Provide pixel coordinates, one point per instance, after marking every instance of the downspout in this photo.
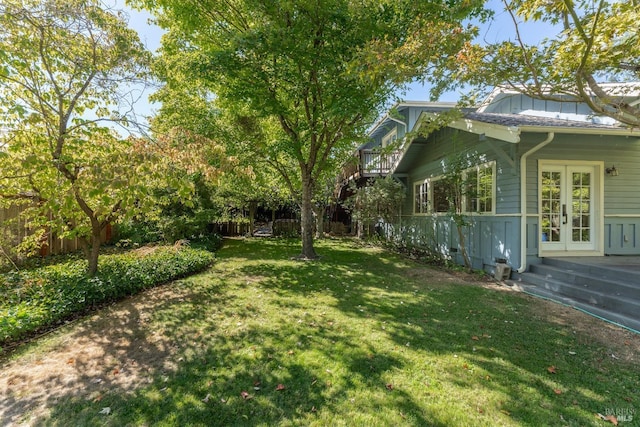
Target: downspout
(400, 122)
(523, 201)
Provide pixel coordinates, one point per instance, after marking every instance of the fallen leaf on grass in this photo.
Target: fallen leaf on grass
(245, 395)
(557, 391)
(389, 386)
(280, 387)
(475, 338)
(206, 399)
(611, 418)
(105, 411)
(552, 370)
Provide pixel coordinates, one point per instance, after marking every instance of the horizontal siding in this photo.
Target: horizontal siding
(428, 159)
(621, 195)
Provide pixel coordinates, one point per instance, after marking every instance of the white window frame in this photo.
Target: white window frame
(390, 137)
(423, 192)
(467, 202)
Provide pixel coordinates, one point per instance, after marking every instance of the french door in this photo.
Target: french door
(569, 207)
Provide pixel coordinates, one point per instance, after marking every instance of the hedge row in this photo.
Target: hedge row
(37, 299)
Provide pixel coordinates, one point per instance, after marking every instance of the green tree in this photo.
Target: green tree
(321, 69)
(63, 65)
(597, 42)
(379, 201)
(456, 183)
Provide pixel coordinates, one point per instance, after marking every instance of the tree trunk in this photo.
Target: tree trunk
(307, 221)
(463, 248)
(93, 251)
(318, 212)
(252, 216)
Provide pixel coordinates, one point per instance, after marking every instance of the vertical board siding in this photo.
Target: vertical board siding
(487, 237)
(621, 236)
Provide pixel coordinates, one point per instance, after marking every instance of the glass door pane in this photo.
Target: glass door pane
(581, 207)
(551, 206)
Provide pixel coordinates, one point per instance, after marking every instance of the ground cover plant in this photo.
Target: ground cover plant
(359, 337)
(36, 299)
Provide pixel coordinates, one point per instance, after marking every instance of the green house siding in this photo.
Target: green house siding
(499, 139)
(621, 193)
(489, 236)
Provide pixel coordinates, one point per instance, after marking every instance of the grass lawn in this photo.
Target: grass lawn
(361, 337)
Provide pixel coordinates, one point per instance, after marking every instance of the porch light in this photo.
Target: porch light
(612, 171)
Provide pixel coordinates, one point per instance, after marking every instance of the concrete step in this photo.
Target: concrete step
(629, 322)
(603, 299)
(588, 282)
(607, 272)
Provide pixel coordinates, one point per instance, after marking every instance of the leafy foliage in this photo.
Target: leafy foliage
(63, 68)
(32, 300)
(379, 200)
(596, 41)
(319, 70)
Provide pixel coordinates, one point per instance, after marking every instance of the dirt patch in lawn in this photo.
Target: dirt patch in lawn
(118, 350)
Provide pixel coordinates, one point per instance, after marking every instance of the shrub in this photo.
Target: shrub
(38, 299)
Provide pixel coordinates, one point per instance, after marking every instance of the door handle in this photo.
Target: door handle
(564, 214)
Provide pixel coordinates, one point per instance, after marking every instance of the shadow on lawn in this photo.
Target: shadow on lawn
(215, 346)
(545, 372)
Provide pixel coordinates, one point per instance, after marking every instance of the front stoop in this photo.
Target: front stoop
(603, 291)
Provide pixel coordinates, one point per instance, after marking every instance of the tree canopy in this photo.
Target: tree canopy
(598, 41)
(65, 71)
(321, 69)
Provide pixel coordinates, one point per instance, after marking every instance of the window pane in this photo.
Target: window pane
(440, 202)
(479, 193)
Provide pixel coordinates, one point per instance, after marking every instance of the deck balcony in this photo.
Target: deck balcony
(371, 163)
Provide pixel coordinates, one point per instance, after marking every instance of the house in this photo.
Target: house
(551, 180)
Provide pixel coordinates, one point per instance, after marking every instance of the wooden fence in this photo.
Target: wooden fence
(14, 227)
(281, 227)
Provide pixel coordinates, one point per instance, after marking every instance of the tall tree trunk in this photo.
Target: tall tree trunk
(252, 216)
(318, 212)
(307, 221)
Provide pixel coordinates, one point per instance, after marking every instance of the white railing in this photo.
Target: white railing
(374, 162)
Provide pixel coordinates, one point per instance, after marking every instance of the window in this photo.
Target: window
(389, 138)
(421, 197)
(430, 196)
(439, 196)
(480, 188)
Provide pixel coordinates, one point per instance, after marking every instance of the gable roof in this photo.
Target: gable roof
(389, 117)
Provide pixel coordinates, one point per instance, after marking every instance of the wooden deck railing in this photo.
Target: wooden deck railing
(373, 162)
